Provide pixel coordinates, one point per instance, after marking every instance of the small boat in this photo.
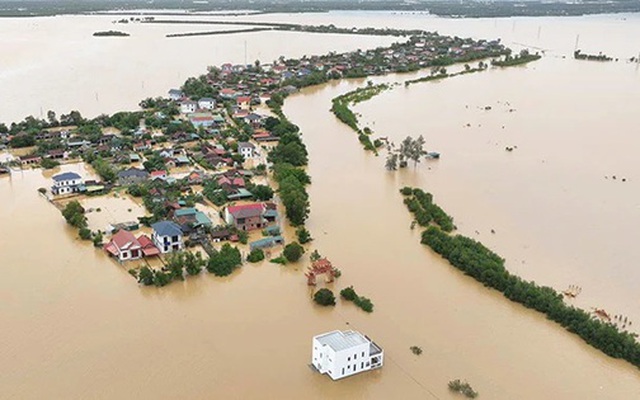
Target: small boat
(433, 155)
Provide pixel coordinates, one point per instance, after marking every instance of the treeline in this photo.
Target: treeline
(421, 205)
(438, 73)
(364, 303)
(477, 261)
(579, 55)
(340, 108)
(111, 33)
(213, 33)
(288, 158)
(220, 263)
(522, 58)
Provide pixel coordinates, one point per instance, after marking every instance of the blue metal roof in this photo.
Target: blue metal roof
(66, 176)
(167, 228)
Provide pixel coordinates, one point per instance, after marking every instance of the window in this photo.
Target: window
(363, 354)
(355, 356)
(362, 365)
(348, 358)
(342, 371)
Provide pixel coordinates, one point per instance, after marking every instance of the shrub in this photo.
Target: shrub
(225, 261)
(255, 256)
(303, 235)
(85, 233)
(279, 260)
(406, 191)
(416, 350)
(464, 388)
(348, 294)
(293, 251)
(324, 297)
(364, 303)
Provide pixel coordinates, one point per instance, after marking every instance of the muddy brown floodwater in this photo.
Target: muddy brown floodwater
(75, 325)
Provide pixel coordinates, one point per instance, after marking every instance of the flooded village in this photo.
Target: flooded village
(244, 206)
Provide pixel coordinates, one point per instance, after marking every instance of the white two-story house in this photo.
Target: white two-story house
(188, 107)
(246, 149)
(65, 183)
(344, 353)
(206, 103)
(167, 236)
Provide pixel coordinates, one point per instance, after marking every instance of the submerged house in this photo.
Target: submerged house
(246, 217)
(167, 236)
(124, 246)
(65, 183)
(344, 353)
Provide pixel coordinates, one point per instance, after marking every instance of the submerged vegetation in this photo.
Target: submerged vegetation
(485, 266)
(349, 294)
(463, 388)
(522, 58)
(579, 55)
(111, 33)
(324, 297)
(340, 108)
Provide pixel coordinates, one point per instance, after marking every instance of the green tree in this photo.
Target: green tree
(348, 293)
(225, 261)
(262, 192)
(85, 233)
(324, 297)
(255, 256)
(293, 251)
(145, 276)
(303, 235)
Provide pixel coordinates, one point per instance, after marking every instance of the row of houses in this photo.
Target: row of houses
(167, 237)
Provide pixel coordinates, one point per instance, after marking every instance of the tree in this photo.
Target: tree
(392, 162)
(315, 256)
(303, 235)
(324, 297)
(175, 265)
(85, 233)
(97, 239)
(193, 263)
(73, 213)
(348, 293)
(145, 276)
(225, 261)
(293, 251)
(255, 256)
(262, 192)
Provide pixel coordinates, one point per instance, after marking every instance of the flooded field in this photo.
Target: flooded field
(75, 324)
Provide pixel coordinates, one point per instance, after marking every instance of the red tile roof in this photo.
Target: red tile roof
(124, 240)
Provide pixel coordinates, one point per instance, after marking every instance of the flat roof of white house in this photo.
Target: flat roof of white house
(341, 340)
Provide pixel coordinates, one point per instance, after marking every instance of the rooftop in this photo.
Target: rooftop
(341, 340)
(66, 176)
(167, 228)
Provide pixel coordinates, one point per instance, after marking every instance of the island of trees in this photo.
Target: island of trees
(579, 55)
(522, 58)
(111, 33)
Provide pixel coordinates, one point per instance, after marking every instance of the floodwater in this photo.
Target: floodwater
(75, 325)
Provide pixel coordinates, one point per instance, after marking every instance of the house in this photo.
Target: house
(220, 235)
(244, 102)
(148, 248)
(167, 236)
(132, 176)
(245, 217)
(65, 183)
(189, 106)
(29, 160)
(124, 246)
(192, 217)
(196, 177)
(344, 353)
(204, 120)
(207, 103)
(175, 94)
(246, 149)
(228, 94)
(58, 154)
(158, 174)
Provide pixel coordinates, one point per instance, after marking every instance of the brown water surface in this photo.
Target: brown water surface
(75, 325)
